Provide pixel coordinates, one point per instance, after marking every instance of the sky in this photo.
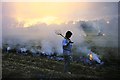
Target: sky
(32, 14)
(60, 0)
(57, 12)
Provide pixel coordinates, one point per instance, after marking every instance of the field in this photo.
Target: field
(33, 32)
(29, 67)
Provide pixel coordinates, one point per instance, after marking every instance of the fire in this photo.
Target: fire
(90, 56)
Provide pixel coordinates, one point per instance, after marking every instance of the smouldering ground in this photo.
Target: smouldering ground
(19, 66)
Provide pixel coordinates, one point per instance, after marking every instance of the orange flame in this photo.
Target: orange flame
(90, 56)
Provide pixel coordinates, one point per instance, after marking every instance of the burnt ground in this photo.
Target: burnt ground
(16, 66)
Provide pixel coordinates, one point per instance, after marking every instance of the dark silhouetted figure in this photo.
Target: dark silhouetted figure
(67, 46)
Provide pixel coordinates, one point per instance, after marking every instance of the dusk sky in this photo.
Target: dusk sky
(32, 14)
(58, 12)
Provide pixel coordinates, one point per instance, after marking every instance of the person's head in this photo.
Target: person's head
(68, 34)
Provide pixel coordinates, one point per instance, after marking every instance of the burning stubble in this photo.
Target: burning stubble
(44, 35)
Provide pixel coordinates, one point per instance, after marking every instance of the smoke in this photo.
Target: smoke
(0, 26)
(0, 37)
(44, 35)
(84, 51)
(108, 29)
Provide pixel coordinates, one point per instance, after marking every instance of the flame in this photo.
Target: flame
(90, 56)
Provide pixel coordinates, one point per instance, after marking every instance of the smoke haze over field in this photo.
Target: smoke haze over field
(42, 32)
(49, 41)
(38, 27)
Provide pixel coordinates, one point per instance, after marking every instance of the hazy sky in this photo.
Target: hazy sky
(60, 0)
(58, 12)
(55, 12)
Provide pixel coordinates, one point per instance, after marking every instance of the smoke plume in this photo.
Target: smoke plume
(41, 34)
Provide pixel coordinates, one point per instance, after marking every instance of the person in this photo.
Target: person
(67, 46)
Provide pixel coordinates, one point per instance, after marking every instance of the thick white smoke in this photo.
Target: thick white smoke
(44, 35)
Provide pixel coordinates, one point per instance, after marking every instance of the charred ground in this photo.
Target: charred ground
(29, 67)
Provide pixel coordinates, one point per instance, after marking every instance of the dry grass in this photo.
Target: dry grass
(19, 66)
